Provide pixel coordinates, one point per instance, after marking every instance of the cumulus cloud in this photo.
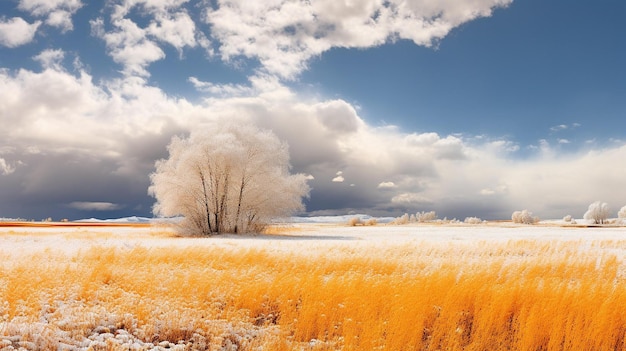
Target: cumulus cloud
(284, 35)
(128, 45)
(176, 29)
(135, 47)
(58, 13)
(16, 31)
(72, 132)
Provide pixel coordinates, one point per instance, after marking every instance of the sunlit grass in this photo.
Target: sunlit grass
(520, 295)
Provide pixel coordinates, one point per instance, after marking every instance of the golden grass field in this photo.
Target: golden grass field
(146, 289)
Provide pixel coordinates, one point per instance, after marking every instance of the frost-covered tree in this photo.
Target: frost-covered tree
(426, 216)
(598, 212)
(622, 212)
(230, 179)
(524, 217)
(404, 219)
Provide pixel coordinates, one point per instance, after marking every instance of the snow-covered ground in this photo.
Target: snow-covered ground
(294, 236)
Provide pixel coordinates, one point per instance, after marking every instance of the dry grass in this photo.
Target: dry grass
(520, 295)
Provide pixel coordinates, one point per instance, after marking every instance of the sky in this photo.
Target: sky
(465, 107)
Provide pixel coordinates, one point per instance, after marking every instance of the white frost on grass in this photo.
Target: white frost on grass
(22, 240)
(104, 329)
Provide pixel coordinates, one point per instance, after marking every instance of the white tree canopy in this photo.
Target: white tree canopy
(622, 212)
(231, 178)
(524, 217)
(598, 212)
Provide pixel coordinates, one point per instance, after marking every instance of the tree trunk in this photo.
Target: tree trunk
(206, 201)
(241, 188)
(224, 197)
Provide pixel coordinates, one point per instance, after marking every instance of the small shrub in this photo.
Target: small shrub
(404, 219)
(354, 221)
(567, 219)
(524, 217)
(472, 220)
(425, 216)
(371, 222)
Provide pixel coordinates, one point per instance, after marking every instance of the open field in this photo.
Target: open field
(314, 287)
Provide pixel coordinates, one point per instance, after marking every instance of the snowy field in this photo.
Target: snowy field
(298, 237)
(73, 267)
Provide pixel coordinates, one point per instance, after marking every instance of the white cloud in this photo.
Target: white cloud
(230, 90)
(61, 19)
(15, 32)
(338, 179)
(502, 146)
(44, 7)
(283, 35)
(386, 185)
(58, 13)
(50, 58)
(563, 141)
(136, 47)
(338, 116)
(176, 29)
(128, 45)
(95, 206)
(5, 167)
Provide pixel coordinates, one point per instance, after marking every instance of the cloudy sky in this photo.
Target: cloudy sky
(465, 107)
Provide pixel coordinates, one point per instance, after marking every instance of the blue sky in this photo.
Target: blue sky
(469, 108)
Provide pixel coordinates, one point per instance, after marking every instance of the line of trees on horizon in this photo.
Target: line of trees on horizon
(598, 212)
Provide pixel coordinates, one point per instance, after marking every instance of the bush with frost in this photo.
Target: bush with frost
(419, 217)
(354, 221)
(598, 212)
(622, 212)
(524, 217)
(404, 219)
(424, 216)
(371, 222)
(567, 219)
(472, 220)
